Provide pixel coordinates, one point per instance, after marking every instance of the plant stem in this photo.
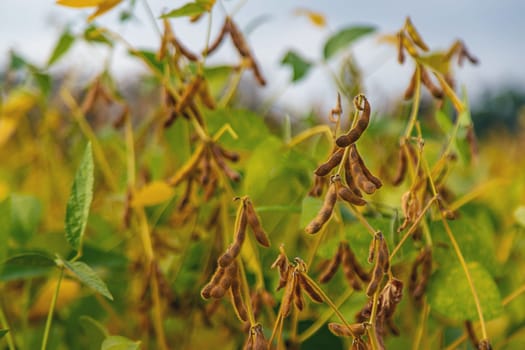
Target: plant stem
(513, 295)
(303, 136)
(421, 326)
(413, 227)
(319, 322)
(415, 104)
(467, 274)
(90, 135)
(327, 300)
(51, 310)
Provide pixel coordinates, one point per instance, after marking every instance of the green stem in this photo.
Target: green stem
(314, 327)
(51, 310)
(415, 104)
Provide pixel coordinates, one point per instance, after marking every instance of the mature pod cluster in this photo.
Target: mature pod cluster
(357, 177)
(409, 40)
(388, 300)
(226, 276)
(256, 340)
(419, 280)
(379, 251)
(353, 271)
(295, 281)
(205, 166)
(229, 27)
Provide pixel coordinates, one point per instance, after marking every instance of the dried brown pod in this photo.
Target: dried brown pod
(348, 267)
(377, 183)
(349, 179)
(309, 289)
(350, 259)
(472, 334)
(205, 95)
(256, 340)
(283, 266)
(325, 212)
(358, 174)
(288, 296)
(411, 208)
(414, 35)
(219, 159)
(231, 156)
(389, 298)
(355, 330)
(381, 266)
(331, 268)
(237, 302)
(337, 110)
(418, 282)
(183, 50)
(255, 225)
(234, 249)
(206, 291)
(297, 293)
(334, 160)
(220, 38)
(427, 81)
(411, 88)
(188, 94)
(400, 50)
(362, 123)
(318, 186)
(359, 344)
(401, 166)
(349, 196)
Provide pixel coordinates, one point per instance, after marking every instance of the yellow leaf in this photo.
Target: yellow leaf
(437, 60)
(153, 193)
(316, 18)
(69, 290)
(7, 128)
(104, 7)
(79, 3)
(17, 103)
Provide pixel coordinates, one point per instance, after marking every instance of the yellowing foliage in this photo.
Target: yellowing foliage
(153, 193)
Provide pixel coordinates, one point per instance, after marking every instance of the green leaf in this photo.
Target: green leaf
(443, 121)
(117, 342)
(26, 213)
(26, 265)
(64, 43)
(149, 58)
(17, 61)
(250, 128)
(98, 35)
(189, 10)
(3, 332)
(77, 210)
(300, 66)
(86, 275)
(450, 295)
(310, 207)
(344, 38)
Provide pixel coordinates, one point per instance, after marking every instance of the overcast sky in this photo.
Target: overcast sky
(493, 31)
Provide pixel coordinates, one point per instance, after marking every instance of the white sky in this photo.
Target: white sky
(492, 30)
